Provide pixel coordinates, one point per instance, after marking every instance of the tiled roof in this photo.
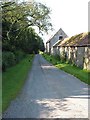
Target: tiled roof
(82, 39)
(57, 43)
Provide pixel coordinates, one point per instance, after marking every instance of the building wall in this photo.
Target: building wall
(47, 47)
(80, 56)
(56, 51)
(87, 58)
(54, 39)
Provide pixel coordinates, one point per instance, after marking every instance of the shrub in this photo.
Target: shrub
(57, 57)
(8, 60)
(63, 56)
(19, 55)
(3, 67)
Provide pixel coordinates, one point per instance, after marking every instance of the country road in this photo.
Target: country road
(49, 93)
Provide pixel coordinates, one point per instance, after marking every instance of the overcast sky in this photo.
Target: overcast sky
(70, 15)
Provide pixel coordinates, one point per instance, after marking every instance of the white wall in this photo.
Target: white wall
(56, 38)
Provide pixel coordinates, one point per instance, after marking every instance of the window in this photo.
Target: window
(60, 37)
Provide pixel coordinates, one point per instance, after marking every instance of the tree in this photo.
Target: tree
(17, 20)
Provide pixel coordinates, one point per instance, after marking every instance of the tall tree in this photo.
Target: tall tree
(17, 20)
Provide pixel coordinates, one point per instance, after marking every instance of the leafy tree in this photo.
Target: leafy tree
(17, 20)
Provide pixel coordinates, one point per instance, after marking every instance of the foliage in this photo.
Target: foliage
(13, 80)
(83, 75)
(63, 56)
(17, 22)
(19, 55)
(8, 59)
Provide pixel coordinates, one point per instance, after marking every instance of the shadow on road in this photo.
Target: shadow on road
(50, 93)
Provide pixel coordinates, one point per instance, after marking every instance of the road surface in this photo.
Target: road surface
(49, 93)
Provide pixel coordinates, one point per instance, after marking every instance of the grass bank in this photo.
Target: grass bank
(0, 93)
(83, 75)
(13, 80)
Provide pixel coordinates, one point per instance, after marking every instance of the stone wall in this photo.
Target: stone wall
(47, 47)
(80, 56)
(87, 58)
(56, 51)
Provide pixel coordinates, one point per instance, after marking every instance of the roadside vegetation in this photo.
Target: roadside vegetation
(83, 75)
(19, 39)
(14, 79)
(18, 34)
(0, 93)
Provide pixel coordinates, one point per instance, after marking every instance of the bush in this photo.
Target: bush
(3, 67)
(63, 57)
(8, 60)
(57, 57)
(19, 55)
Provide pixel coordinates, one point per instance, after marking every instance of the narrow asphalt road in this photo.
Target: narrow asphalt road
(49, 93)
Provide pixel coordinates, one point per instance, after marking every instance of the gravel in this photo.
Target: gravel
(49, 93)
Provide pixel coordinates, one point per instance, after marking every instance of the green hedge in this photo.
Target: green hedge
(19, 55)
(8, 59)
(11, 58)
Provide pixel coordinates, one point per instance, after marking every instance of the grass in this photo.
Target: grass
(13, 80)
(83, 75)
(0, 93)
(0, 81)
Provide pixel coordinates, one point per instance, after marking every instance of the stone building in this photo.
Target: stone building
(75, 50)
(60, 35)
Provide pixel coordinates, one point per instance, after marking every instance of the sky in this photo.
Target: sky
(70, 15)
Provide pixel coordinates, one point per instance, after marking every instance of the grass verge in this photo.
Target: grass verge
(0, 93)
(83, 75)
(13, 80)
